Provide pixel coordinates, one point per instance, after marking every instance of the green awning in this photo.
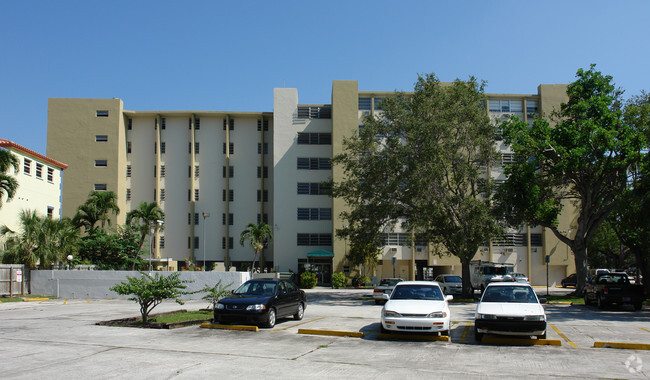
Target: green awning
(320, 253)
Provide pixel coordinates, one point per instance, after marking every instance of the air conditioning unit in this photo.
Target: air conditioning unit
(510, 249)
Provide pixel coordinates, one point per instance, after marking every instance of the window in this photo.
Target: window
(101, 113)
(196, 195)
(128, 194)
(314, 239)
(377, 104)
(230, 219)
(262, 196)
(314, 112)
(264, 218)
(231, 148)
(231, 122)
(39, 170)
(129, 124)
(162, 171)
(196, 218)
(231, 195)
(313, 188)
(155, 171)
(196, 242)
(313, 163)
(259, 125)
(163, 123)
(101, 138)
(128, 171)
(50, 211)
(197, 123)
(101, 163)
(314, 214)
(196, 171)
(365, 104)
(535, 240)
(507, 158)
(162, 195)
(259, 172)
(162, 242)
(314, 138)
(163, 148)
(259, 148)
(497, 105)
(27, 166)
(230, 243)
(128, 147)
(196, 148)
(50, 175)
(231, 171)
(100, 187)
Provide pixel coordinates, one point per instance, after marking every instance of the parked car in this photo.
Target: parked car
(519, 277)
(510, 308)
(571, 280)
(450, 283)
(416, 306)
(262, 301)
(609, 288)
(385, 286)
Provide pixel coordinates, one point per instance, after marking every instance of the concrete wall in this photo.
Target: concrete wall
(96, 284)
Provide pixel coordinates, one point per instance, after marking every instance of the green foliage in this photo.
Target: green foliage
(308, 280)
(584, 153)
(8, 184)
(359, 280)
(339, 280)
(419, 164)
(215, 293)
(149, 291)
(143, 217)
(183, 316)
(112, 251)
(43, 241)
(258, 236)
(98, 208)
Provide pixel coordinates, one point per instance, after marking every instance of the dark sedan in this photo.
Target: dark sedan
(262, 302)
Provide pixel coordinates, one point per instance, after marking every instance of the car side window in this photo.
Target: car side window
(283, 288)
(290, 287)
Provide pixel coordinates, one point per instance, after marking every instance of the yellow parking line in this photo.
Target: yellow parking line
(87, 300)
(644, 329)
(298, 324)
(629, 346)
(66, 301)
(563, 336)
(465, 331)
(229, 327)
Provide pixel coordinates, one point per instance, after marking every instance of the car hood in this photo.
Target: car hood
(247, 299)
(415, 306)
(510, 308)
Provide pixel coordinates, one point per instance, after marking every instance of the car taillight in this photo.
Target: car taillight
(378, 291)
(605, 290)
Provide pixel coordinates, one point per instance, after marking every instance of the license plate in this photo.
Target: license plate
(626, 299)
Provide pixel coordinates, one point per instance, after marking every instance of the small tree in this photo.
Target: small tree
(257, 235)
(149, 291)
(215, 293)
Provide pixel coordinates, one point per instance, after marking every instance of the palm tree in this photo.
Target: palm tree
(258, 236)
(8, 184)
(98, 208)
(87, 216)
(142, 217)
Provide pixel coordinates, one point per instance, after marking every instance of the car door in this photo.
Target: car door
(293, 298)
(283, 301)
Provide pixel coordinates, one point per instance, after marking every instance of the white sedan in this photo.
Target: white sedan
(416, 306)
(510, 308)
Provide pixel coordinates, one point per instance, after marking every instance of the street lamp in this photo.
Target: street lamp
(205, 215)
(158, 223)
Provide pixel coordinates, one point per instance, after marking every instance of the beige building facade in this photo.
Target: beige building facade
(241, 167)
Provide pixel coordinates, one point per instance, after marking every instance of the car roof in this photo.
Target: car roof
(508, 284)
(418, 283)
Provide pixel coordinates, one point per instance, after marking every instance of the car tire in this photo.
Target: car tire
(638, 306)
(300, 313)
(377, 302)
(587, 300)
(563, 284)
(443, 333)
(270, 319)
(599, 302)
(477, 335)
(382, 329)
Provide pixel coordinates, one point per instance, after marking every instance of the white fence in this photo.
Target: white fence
(96, 284)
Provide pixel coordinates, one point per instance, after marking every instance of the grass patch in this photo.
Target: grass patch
(182, 316)
(569, 298)
(21, 298)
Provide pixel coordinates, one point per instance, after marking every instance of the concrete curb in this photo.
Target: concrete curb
(34, 299)
(425, 338)
(620, 345)
(208, 325)
(521, 342)
(352, 334)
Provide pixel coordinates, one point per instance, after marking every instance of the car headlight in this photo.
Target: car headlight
(391, 314)
(257, 307)
(220, 306)
(534, 318)
(487, 316)
(437, 314)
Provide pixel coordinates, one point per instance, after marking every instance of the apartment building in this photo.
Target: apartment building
(39, 185)
(213, 172)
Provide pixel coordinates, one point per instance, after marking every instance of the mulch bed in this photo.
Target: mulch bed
(137, 322)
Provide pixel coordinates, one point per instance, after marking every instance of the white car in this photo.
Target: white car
(416, 306)
(510, 308)
(519, 277)
(450, 283)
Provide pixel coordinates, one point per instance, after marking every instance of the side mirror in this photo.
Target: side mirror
(542, 300)
(385, 296)
(449, 298)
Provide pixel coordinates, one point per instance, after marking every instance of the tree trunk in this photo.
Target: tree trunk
(467, 280)
(643, 267)
(253, 265)
(580, 253)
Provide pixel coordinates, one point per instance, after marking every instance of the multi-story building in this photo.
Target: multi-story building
(39, 186)
(241, 167)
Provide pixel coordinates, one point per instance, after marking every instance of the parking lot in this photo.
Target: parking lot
(59, 339)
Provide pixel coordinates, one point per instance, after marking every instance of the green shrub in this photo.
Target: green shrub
(359, 280)
(339, 280)
(308, 280)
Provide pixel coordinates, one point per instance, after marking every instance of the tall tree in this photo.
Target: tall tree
(143, 217)
(419, 164)
(106, 203)
(584, 159)
(8, 184)
(258, 235)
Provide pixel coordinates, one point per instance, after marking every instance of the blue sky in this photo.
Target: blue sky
(229, 55)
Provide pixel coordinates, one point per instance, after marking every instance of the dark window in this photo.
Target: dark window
(39, 170)
(231, 148)
(259, 148)
(102, 113)
(128, 171)
(313, 163)
(196, 195)
(314, 239)
(163, 123)
(365, 104)
(231, 195)
(230, 219)
(262, 196)
(50, 211)
(314, 112)
(196, 171)
(231, 171)
(265, 218)
(230, 243)
(100, 187)
(259, 125)
(128, 147)
(196, 242)
(129, 124)
(128, 194)
(101, 138)
(313, 188)
(314, 138)
(162, 147)
(535, 240)
(314, 214)
(27, 166)
(196, 218)
(266, 172)
(231, 122)
(99, 163)
(50, 174)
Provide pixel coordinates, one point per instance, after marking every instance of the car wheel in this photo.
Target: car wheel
(600, 302)
(377, 302)
(587, 300)
(382, 329)
(443, 333)
(300, 313)
(477, 335)
(563, 284)
(638, 306)
(270, 320)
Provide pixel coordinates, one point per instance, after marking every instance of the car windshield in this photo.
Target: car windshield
(515, 294)
(417, 292)
(453, 279)
(614, 278)
(257, 288)
(389, 282)
(497, 270)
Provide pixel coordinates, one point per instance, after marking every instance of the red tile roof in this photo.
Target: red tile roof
(12, 145)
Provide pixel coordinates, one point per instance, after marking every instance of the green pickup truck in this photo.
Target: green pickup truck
(613, 288)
